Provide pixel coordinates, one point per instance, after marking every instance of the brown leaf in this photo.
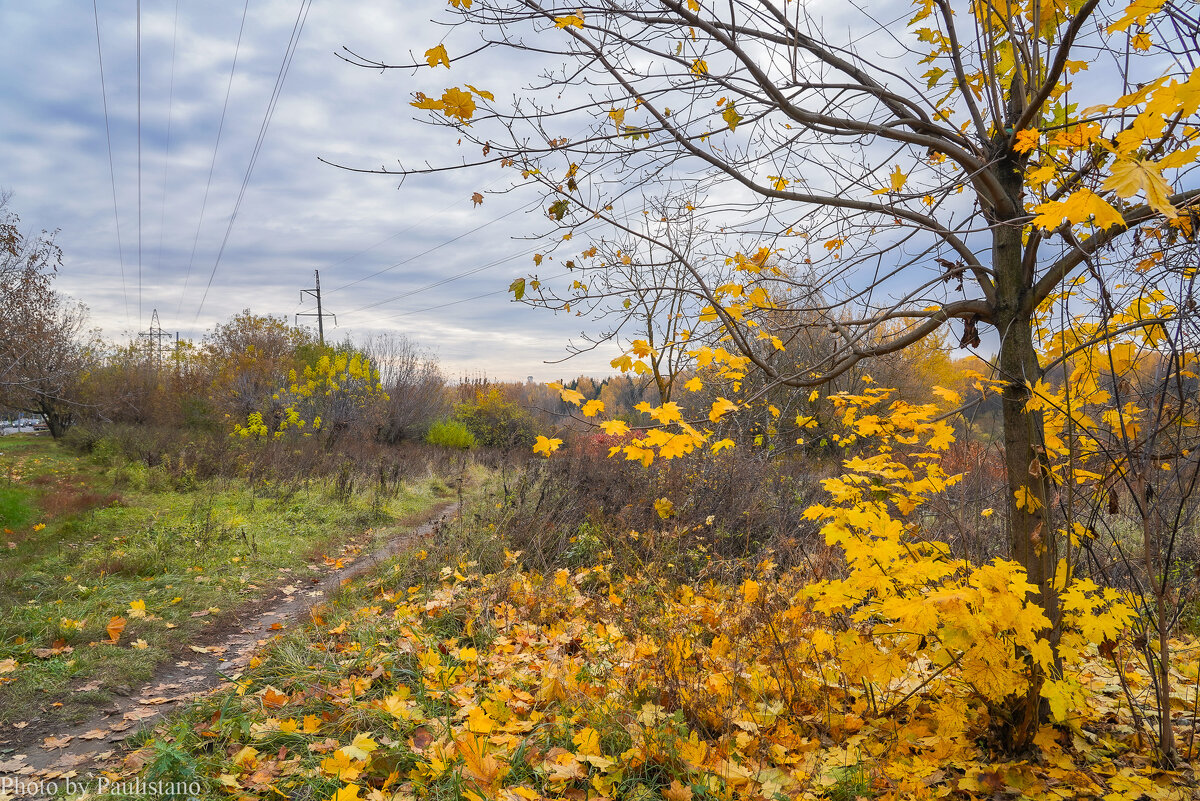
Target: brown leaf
(477, 198)
(94, 734)
(51, 743)
(678, 792)
(14, 764)
(421, 739)
(72, 760)
(139, 714)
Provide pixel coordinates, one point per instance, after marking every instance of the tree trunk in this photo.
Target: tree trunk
(1031, 540)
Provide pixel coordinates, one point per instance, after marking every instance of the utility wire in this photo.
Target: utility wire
(433, 249)
(385, 240)
(162, 216)
(220, 127)
(455, 302)
(455, 277)
(284, 67)
(139, 154)
(111, 172)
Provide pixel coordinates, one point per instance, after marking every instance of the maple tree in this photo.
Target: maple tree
(949, 162)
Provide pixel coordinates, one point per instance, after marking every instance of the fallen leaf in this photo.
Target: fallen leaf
(14, 764)
(51, 743)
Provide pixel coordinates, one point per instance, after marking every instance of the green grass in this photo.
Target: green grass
(16, 511)
(96, 539)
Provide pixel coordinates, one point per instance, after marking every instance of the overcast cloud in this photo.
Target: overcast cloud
(297, 214)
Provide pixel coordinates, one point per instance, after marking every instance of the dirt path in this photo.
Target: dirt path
(44, 750)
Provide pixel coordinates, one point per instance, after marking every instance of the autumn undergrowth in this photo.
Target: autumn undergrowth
(461, 671)
(120, 564)
(457, 672)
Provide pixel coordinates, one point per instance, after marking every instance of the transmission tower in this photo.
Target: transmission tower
(155, 337)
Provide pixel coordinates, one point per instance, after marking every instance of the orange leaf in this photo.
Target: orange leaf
(483, 767)
(114, 628)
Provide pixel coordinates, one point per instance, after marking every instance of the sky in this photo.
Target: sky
(419, 260)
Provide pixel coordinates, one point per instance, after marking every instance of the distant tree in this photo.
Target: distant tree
(249, 358)
(414, 386)
(45, 348)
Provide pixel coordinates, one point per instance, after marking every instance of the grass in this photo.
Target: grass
(91, 541)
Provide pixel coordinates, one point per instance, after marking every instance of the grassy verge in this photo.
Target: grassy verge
(94, 549)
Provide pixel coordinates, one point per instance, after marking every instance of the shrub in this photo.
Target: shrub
(496, 421)
(451, 434)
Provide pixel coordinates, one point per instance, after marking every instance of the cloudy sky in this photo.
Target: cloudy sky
(419, 260)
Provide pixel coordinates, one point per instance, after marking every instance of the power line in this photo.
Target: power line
(220, 127)
(454, 302)
(442, 281)
(139, 154)
(284, 68)
(433, 249)
(162, 216)
(111, 172)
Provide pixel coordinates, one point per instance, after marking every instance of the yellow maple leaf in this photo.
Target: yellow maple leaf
(942, 438)
(720, 408)
(615, 427)
(1027, 500)
(731, 117)
(587, 741)
(478, 764)
(778, 183)
(592, 408)
(137, 608)
(664, 508)
(457, 103)
(437, 55)
(485, 94)
(1082, 205)
(1127, 177)
(722, 444)
(667, 413)
(571, 396)
(1137, 12)
(546, 446)
(1026, 140)
(570, 21)
(700, 67)
(361, 747)
(948, 395)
